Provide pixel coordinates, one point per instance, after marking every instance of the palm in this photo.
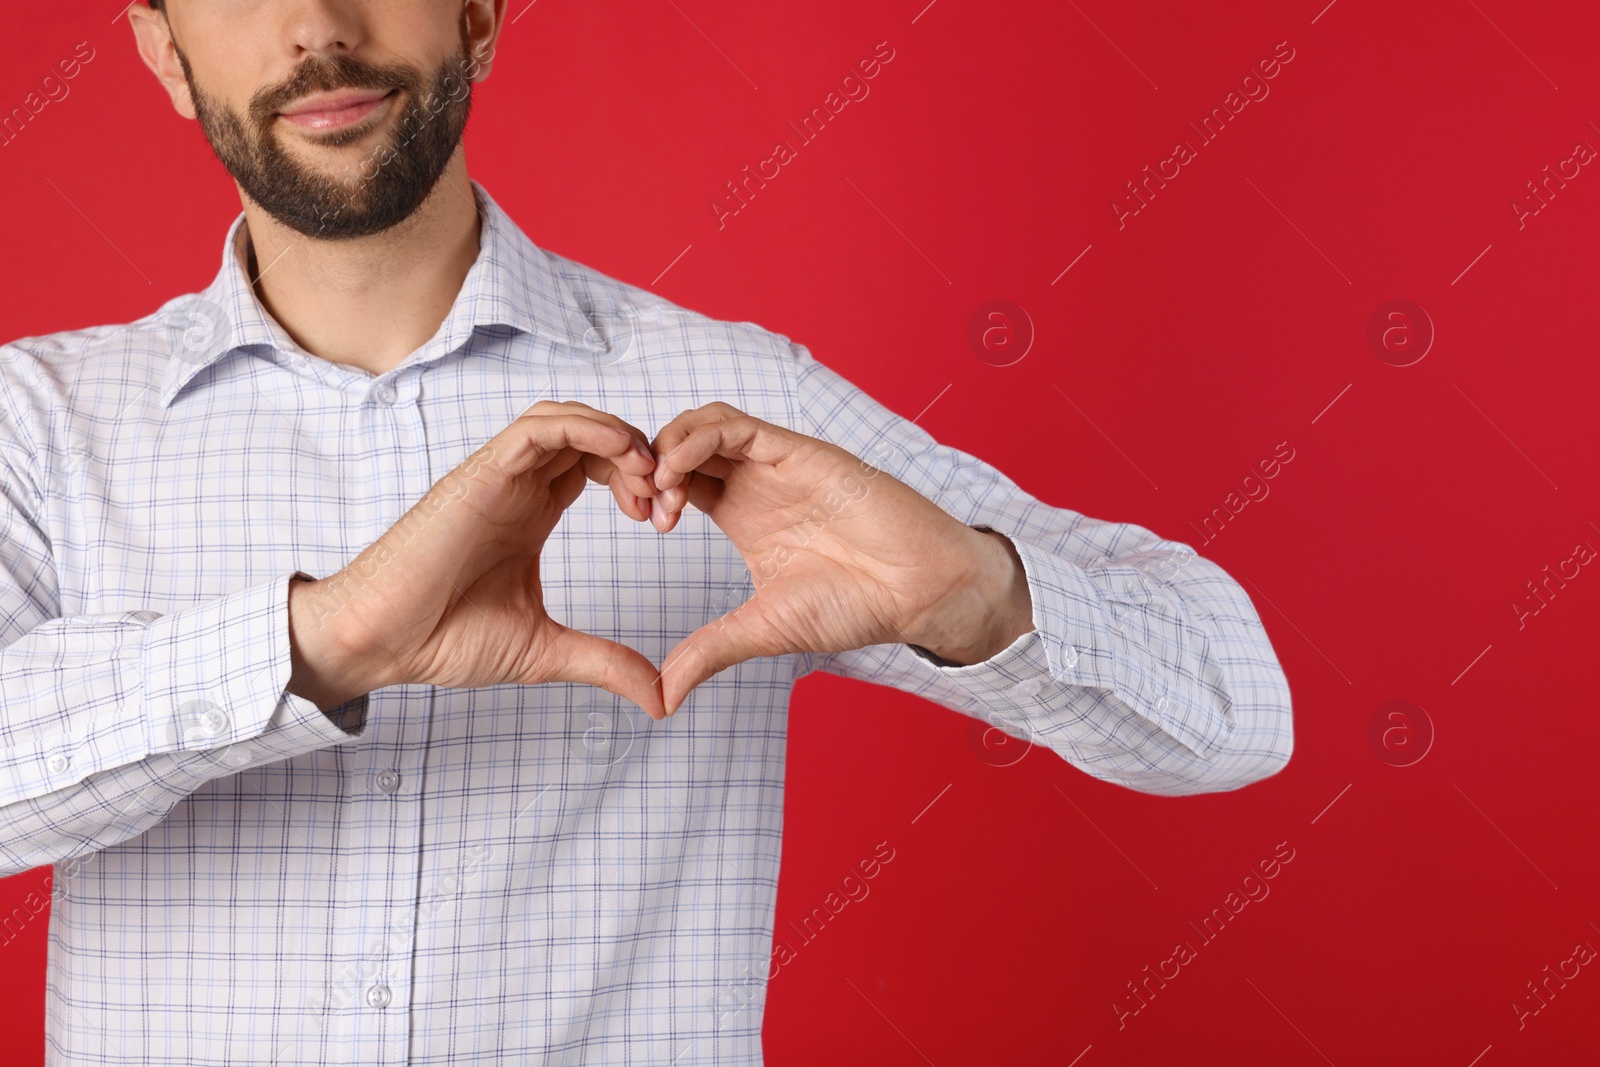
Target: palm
(825, 576)
(842, 554)
(497, 630)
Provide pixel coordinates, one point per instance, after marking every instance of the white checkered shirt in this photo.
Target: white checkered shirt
(515, 874)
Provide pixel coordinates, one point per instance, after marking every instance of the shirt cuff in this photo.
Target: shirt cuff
(1079, 639)
(1063, 643)
(216, 677)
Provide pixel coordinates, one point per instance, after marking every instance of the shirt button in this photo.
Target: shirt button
(378, 996)
(1069, 657)
(387, 781)
(58, 763)
(1029, 688)
(385, 393)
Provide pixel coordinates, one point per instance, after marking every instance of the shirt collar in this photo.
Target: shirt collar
(512, 283)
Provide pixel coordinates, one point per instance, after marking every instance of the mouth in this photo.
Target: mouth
(334, 111)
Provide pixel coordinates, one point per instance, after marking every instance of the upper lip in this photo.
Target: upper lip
(336, 101)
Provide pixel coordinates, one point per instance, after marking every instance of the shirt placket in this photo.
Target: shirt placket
(381, 833)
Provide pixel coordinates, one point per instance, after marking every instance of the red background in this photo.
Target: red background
(1221, 320)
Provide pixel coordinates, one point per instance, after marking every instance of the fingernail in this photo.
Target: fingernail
(658, 515)
(638, 446)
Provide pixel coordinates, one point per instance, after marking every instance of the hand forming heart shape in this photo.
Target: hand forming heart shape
(843, 556)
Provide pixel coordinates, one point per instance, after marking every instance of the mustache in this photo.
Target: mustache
(322, 74)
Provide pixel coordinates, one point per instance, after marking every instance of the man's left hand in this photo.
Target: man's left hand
(843, 555)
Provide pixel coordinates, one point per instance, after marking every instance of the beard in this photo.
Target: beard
(370, 195)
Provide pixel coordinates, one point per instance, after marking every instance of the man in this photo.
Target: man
(405, 812)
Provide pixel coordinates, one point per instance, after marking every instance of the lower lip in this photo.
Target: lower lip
(332, 120)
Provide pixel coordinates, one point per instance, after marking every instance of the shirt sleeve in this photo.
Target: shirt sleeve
(1147, 665)
(107, 721)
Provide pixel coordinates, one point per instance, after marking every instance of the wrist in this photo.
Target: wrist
(326, 668)
(985, 609)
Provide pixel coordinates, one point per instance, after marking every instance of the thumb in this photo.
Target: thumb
(590, 660)
(713, 648)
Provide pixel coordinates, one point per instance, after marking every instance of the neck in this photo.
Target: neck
(369, 302)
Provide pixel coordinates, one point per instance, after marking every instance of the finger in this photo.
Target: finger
(661, 518)
(688, 421)
(566, 487)
(553, 464)
(589, 660)
(640, 484)
(603, 471)
(712, 472)
(713, 648)
(568, 407)
(717, 467)
(673, 433)
(547, 409)
(634, 506)
(705, 492)
(519, 448)
(743, 437)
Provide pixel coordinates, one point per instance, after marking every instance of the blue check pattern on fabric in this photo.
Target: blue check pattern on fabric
(512, 874)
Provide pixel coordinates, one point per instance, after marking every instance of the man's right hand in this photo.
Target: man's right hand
(450, 595)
